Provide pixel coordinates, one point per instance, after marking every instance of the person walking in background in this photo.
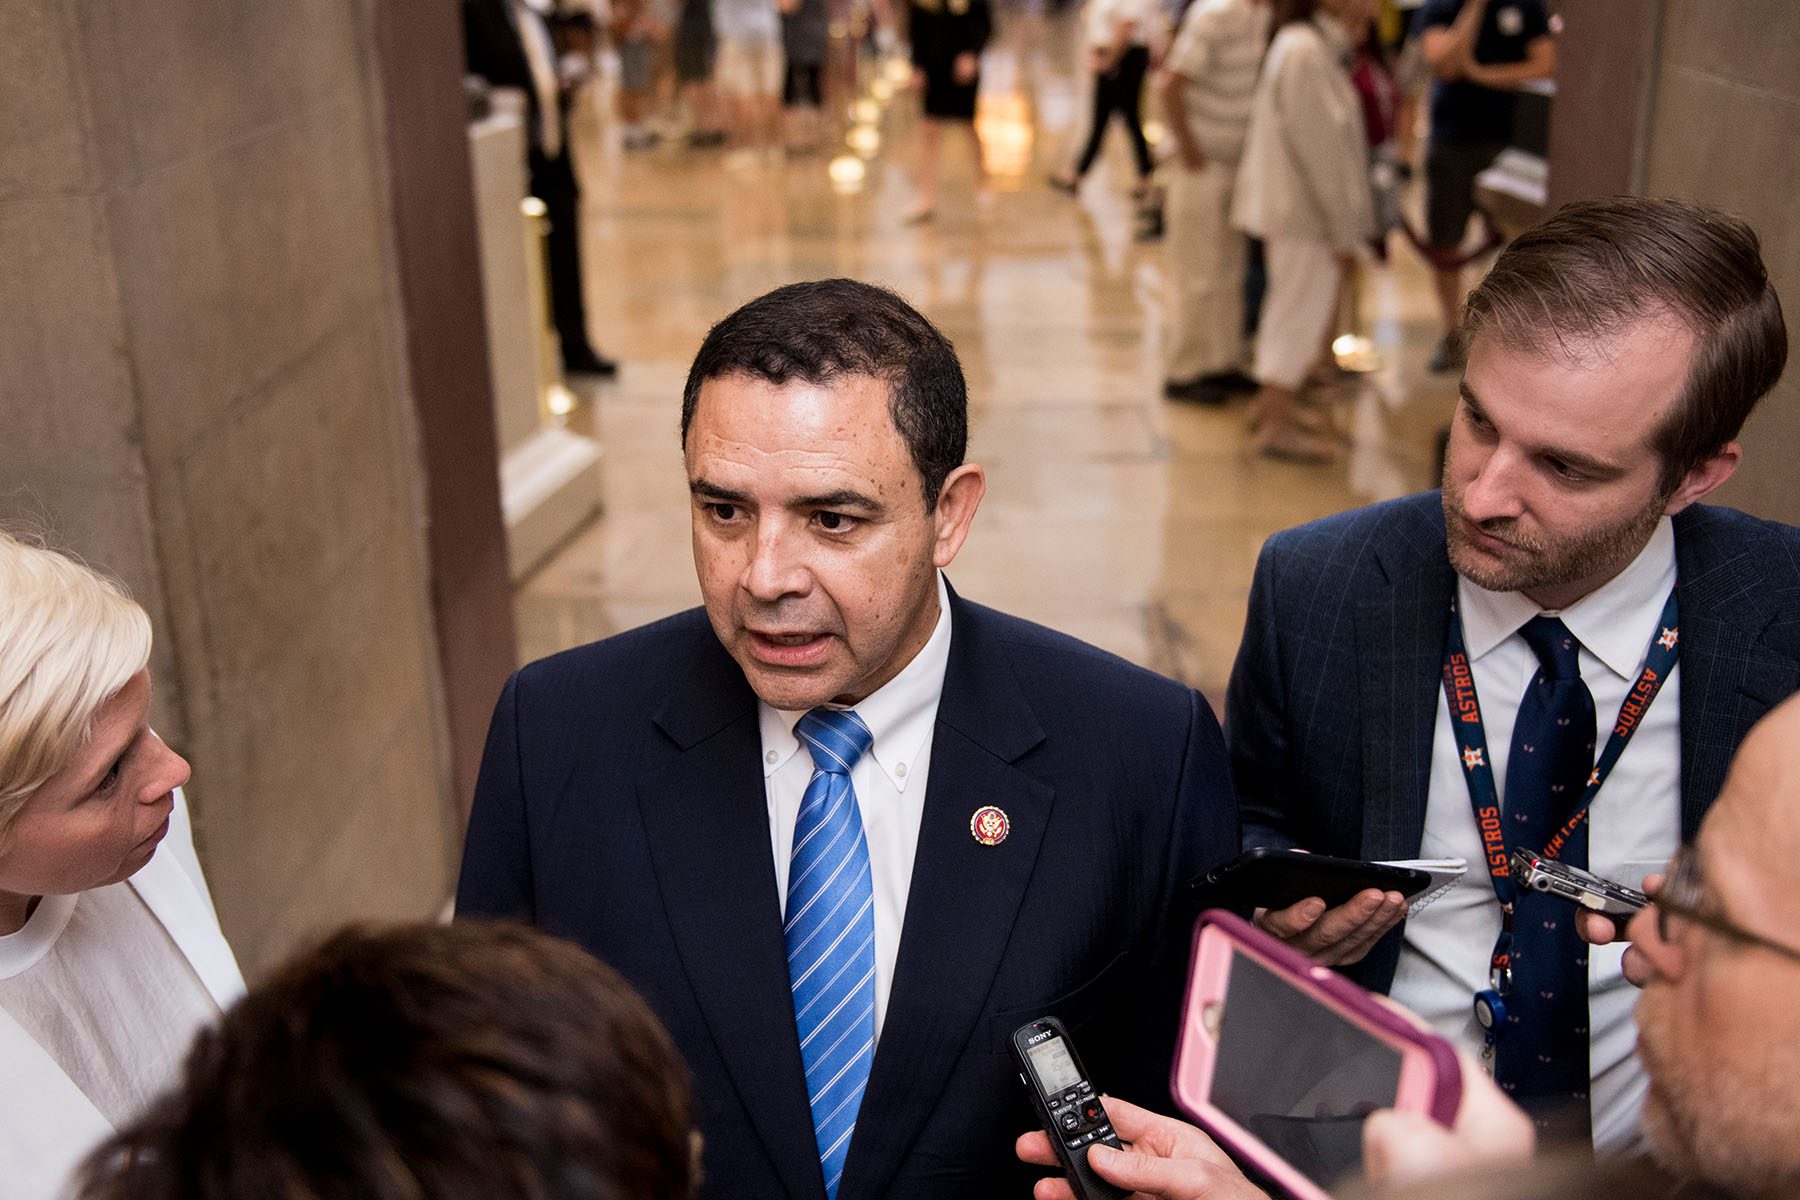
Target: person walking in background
(1480, 51)
(508, 43)
(748, 73)
(1303, 187)
(1118, 35)
(805, 42)
(1208, 82)
(695, 51)
(638, 34)
(948, 37)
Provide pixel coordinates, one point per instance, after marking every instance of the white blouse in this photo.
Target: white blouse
(98, 983)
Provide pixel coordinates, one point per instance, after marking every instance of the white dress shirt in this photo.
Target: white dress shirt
(889, 781)
(1634, 825)
(1218, 51)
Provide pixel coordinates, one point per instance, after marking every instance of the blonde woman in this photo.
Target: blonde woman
(110, 951)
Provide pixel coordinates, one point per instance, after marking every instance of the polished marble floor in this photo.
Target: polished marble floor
(1111, 514)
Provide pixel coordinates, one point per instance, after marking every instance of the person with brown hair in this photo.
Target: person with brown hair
(422, 1062)
(1603, 637)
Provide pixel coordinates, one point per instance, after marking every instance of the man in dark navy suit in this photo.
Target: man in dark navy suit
(845, 830)
(1607, 640)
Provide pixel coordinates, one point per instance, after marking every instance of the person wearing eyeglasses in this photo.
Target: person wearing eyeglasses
(1718, 958)
(1717, 955)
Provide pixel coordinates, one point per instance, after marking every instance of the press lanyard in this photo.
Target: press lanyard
(1484, 795)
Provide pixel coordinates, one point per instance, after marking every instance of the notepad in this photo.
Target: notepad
(1444, 874)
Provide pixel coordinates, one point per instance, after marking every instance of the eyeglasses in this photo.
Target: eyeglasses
(1680, 901)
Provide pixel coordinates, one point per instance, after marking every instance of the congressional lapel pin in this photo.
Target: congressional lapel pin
(989, 825)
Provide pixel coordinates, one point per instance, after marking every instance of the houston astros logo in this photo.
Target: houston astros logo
(1473, 758)
(1669, 638)
(989, 825)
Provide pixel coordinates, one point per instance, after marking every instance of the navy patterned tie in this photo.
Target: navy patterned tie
(1541, 1059)
(831, 935)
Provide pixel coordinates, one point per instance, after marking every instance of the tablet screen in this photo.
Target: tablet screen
(1297, 1074)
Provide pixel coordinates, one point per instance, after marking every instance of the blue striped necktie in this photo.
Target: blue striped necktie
(831, 935)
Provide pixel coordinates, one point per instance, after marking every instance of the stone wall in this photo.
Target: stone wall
(1698, 99)
(1725, 128)
(203, 389)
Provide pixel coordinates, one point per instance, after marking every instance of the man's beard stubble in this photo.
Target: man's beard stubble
(1732, 1133)
(1546, 564)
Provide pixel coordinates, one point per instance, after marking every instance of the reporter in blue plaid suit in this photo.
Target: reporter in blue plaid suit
(1620, 635)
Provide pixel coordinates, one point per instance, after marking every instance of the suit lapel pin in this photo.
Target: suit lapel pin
(989, 825)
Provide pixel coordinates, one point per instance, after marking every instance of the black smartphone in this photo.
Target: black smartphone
(1270, 878)
(1067, 1103)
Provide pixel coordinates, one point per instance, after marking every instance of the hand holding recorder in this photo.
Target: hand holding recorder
(1280, 1059)
(1600, 930)
(1606, 906)
(1165, 1159)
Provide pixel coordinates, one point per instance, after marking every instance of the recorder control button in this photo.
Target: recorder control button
(1092, 1111)
(1071, 1121)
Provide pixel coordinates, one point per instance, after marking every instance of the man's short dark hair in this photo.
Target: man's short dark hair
(449, 1061)
(1597, 266)
(821, 331)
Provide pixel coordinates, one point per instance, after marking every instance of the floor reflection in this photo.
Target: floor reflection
(1111, 514)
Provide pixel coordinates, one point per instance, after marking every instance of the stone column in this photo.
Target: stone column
(208, 388)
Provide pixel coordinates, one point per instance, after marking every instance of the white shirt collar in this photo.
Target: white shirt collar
(899, 714)
(1613, 621)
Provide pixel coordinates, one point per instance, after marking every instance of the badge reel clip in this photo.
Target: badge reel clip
(1490, 1003)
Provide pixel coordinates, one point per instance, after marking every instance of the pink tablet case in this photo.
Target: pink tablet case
(1438, 1099)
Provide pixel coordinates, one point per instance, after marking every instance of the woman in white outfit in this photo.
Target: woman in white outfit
(110, 952)
(1303, 187)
